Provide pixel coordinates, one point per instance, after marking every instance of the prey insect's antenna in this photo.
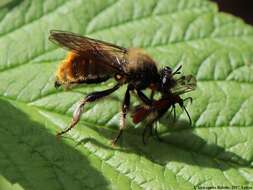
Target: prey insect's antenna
(188, 98)
(177, 70)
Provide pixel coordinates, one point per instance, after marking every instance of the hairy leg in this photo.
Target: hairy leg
(89, 98)
(124, 110)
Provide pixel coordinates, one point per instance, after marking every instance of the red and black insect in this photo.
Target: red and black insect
(167, 101)
(95, 61)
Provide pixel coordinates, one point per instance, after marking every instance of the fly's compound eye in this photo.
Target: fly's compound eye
(166, 71)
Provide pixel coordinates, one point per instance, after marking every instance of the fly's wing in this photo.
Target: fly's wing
(103, 53)
(184, 84)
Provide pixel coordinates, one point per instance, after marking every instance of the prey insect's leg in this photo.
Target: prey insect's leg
(148, 128)
(188, 98)
(188, 115)
(184, 108)
(124, 110)
(151, 126)
(89, 98)
(159, 115)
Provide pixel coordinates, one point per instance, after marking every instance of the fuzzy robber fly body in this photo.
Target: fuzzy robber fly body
(95, 61)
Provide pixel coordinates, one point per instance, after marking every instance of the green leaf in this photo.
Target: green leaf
(215, 47)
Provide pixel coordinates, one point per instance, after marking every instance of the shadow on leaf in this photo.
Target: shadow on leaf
(10, 4)
(35, 159)
(180, 145)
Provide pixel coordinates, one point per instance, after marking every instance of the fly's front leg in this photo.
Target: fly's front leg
(89, 98)
(144, 98)
(124, 110)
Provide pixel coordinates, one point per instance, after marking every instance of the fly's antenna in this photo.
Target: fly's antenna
(177, 70)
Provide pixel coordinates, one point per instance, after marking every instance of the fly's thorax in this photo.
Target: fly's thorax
(138, 60)
(141, 68)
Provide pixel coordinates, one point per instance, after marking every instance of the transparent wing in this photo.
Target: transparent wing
(184, 84)
(111, 54)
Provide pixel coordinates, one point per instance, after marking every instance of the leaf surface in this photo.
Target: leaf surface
(215, 47)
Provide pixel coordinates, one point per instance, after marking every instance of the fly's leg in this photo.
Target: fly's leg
(147, 129)
(184, 108)
(124, 110)
(188, 98)
(144, 98)
(188, 115)
(89, 98)
(159, 115)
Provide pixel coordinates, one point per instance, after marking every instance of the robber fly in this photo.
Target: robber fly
(167, 101)
(94, 61)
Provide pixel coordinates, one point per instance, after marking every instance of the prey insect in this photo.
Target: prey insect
(94, 61)
(167, 101)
